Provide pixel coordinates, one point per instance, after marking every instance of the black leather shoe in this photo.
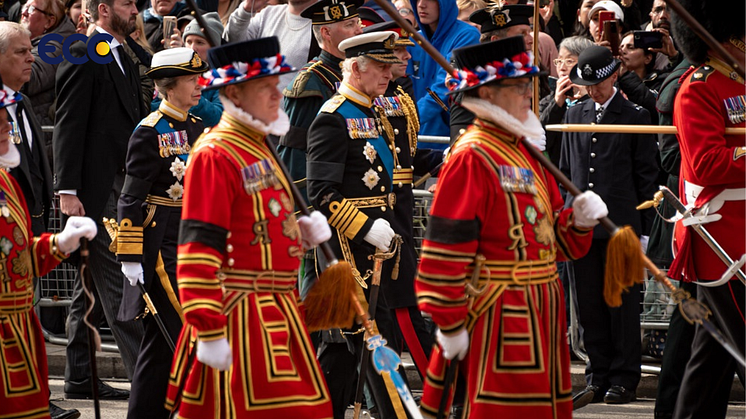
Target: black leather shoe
(591, 394)
(57, 412)
(82, 390)
(619, 395)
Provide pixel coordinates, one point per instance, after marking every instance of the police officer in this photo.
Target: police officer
(149, 212)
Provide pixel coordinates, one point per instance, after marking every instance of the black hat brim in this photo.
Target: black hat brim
(582, 82)
(464, 89)
(235, 81)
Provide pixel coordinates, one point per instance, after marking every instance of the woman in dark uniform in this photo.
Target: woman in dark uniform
(149, 212)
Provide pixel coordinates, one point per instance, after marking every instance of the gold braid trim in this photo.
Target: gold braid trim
(384, 123)
(413, 120)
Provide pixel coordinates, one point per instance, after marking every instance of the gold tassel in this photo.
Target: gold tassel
(624, 265)
(328, 305)
(395, 271)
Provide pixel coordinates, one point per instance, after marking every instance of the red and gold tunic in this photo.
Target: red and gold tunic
(238, 256)
(24, 390)
(713, 167)
(496, 204)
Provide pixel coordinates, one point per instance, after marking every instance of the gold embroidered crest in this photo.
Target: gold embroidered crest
(389, 43)
(543, 231)
(290, 227)
(22, 263)
(336, 12)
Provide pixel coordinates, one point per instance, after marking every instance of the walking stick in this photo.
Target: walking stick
(156, 316)
(94, 340)
(535, 45)
(375, 285)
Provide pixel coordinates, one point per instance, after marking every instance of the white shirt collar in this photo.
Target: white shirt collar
(606, 104)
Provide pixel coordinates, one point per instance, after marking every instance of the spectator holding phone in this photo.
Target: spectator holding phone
(668, 54)
(154, 21)
(596, 24)
(638, 78)
(553, 106)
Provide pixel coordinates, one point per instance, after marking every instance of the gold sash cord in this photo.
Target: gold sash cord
(240, 283)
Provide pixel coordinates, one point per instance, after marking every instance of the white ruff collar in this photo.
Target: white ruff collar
(483, 109)
(279, 126)
(12, 158)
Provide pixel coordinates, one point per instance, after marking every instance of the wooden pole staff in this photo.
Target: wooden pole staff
(535, 81)
(629, 129)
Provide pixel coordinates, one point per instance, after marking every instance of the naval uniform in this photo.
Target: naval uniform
(398, 108)
(495, 203)
(350, 169)
(238, 257)
(24, 387)
(713, 180)
(149, 212)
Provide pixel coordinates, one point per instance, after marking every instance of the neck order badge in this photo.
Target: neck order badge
(98, 48)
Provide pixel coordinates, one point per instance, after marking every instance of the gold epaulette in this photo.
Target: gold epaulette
(332, 104)
(151, 119)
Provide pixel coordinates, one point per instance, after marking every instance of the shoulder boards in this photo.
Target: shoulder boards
(191, 115)
(702, 73)
(151, 119)
(332, 104)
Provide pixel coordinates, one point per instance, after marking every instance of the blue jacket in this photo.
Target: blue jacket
(209, 108)
(450, 34)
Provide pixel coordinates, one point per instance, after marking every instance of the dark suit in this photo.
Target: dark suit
(621, 168)
(98, 107)
(33, 174)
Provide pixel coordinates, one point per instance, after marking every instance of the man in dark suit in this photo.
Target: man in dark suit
(98, 106)
(32, 174)
(621, 168)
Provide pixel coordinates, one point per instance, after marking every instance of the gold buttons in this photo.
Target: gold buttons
(380, 169)
(383, 189)
(231, 262)
(153, 224)
(229, 248)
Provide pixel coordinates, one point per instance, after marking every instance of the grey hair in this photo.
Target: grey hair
(575, 44)
(497, 33)
(362, 63)
(164, 85)
(317, 34)
(8, 31)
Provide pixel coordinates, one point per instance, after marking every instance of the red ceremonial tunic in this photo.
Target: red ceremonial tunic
(24, 389)
(713, 167)
(493, 200)
(238, 257)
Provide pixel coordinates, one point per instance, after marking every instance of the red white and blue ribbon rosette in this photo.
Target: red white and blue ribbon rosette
(519, 65)
(7, 97)
(239, 71)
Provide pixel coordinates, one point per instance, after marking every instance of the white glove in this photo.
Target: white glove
(215, 353)
(588, 207)
(69, 239)
(540, 143)
(644, 242)
(133, 272)
(454, 346)
(380, 234)
(314, 230)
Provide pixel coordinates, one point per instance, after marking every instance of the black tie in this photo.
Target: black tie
(21, 124)
(121, 53)
(599, 114)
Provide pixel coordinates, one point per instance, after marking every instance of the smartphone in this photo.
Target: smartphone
(605, 16)
(611, 34)
(648, 39)
(169, 24)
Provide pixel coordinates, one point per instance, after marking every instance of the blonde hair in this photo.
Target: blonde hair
(232, 6)
(475, 4)
(141, 40)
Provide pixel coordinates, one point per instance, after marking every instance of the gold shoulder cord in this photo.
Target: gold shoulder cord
(413, 120)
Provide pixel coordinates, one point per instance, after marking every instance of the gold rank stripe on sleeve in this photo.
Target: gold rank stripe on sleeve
(129, 238)
(439, 253)
(199, 259)
(196, 283)
(346, 218)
